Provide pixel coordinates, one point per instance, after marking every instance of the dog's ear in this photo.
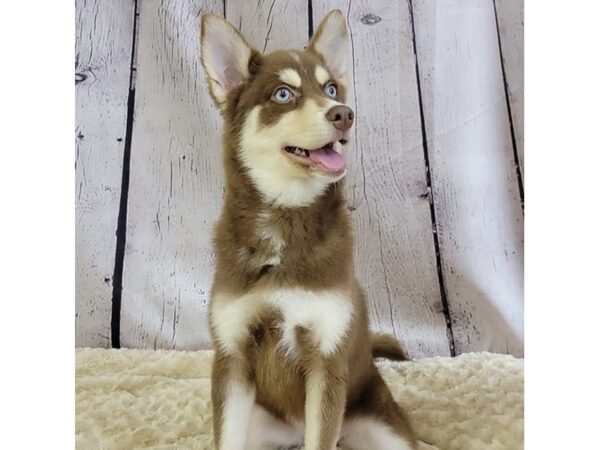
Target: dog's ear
(331, 42)
(225, 56)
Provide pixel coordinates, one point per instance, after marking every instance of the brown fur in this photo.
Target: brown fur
(318, 255)
(386, 346)
(317, 252)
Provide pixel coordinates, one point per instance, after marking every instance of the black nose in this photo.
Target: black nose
(341, 117)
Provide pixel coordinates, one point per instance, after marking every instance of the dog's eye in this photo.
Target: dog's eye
(331, 90)
(282, 95)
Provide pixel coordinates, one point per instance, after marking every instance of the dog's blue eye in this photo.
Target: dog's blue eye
(331, 90)
(282, 95)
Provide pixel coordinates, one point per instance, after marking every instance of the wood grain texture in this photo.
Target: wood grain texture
(103, 47)
(475, 190)
(270, 24)
(387, 184)
(511, 30)
(176, 181)
(175, 186)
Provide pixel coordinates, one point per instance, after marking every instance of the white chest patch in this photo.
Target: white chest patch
(326, 314)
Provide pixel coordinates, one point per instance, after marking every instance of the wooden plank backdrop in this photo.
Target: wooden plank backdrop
(433, 187)
(104, 42)
(175, 186)
(476, 199)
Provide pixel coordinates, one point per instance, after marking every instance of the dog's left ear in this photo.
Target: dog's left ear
(225, 56)
(331, 42)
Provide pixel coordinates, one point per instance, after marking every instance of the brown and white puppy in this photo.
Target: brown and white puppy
(293, 353)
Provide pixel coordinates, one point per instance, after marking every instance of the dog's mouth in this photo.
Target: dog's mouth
(324, 159)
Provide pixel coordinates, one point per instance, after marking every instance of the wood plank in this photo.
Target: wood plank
(511, 29)
(387, 183)
(103, 47)
(475, 188)
(176, 181)
(270, 24)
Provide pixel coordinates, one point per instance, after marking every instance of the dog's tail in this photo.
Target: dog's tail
(386, 346)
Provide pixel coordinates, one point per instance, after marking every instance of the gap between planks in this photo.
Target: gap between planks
(115, 324)
(510, 114)
(310, 20)
(436, 242)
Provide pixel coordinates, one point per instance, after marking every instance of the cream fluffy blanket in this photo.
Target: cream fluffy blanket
(133, 399)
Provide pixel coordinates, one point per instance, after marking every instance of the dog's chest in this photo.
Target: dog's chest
(325, 316)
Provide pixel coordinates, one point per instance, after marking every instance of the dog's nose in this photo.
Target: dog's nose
(341, 117)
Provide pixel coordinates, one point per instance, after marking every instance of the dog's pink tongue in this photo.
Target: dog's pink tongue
(329, 159)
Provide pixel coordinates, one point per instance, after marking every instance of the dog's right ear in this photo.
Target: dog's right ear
(225, 56)
(331, 41)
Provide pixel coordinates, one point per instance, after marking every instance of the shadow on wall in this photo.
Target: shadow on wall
(479, 324)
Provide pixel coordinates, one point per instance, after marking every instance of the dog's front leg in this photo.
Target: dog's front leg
(325, 402)
(233, 394)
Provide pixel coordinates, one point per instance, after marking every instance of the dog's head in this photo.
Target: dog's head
(287, 107)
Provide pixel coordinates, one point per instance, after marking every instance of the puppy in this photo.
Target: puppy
(293, 354)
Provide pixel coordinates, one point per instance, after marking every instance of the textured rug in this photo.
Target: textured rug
(159, 400)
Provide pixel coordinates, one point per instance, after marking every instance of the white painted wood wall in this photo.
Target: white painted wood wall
(435, 180)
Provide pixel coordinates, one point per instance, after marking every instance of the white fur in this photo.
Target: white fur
(271, 234)
(230, 318)
(266, 431)
(315, 387)
(368, 433)
(291, 77)
(327, 314)
(274, 260)
(278, 178)
(331, 41)
(321, 74)
(239, 402)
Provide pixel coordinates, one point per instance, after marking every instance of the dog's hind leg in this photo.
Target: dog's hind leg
(375, 421)
(268, 432)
